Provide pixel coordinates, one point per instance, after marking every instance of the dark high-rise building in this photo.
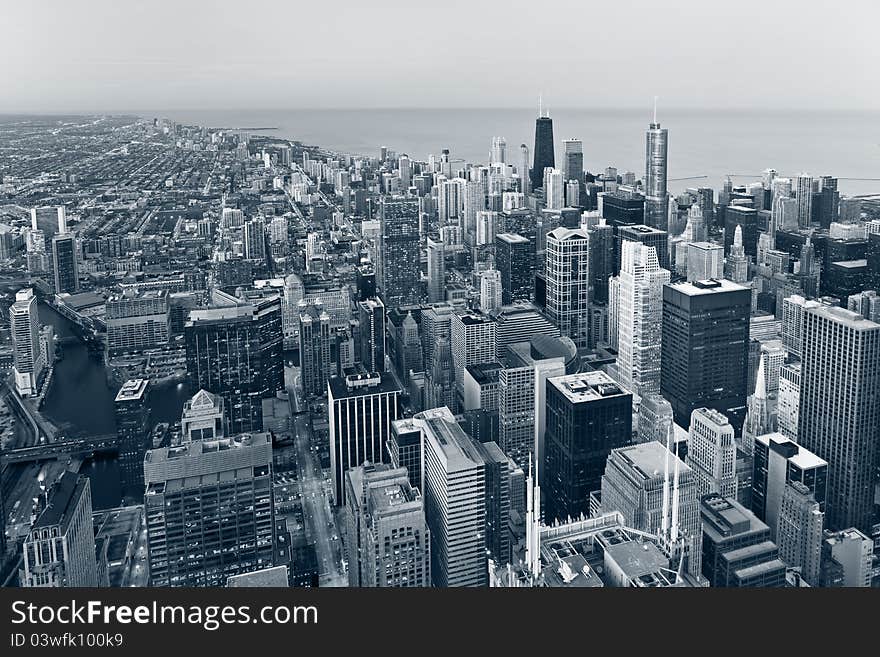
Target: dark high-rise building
(133, 432)
(544, 153)
(398, 274)
(314, 348)
(839, 409)
(361, 409)
(622, 209)
(65, 261)
(872, 255)
(366, 282)
(371, 317)
(515, 259)
(588, 415)
(647, 235)
(210, 510)
(747, 219)
(704, 354)
(405, 449)
(602, 251)
(236, 352)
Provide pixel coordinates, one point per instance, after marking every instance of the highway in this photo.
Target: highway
(320, 524)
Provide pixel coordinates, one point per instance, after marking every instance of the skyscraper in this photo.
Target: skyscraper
(647, 235)
(799, 532)
(573, 166)
(544, 153)
(522, 394)
(656, 492)
(314, 348)
(399, 252)
(712, 453)
(473, 340)
(588, 415)
(59, 550)
(568, 282)
(361, 408)
(803, 189)
(236, 352)
(371, 319)
(554, 189)
(515, 259)
(490, 290)
(24, 325)
(387, 540)
(704, 348)
(65, 261)
(210, 510)
(455, 501)
(498, 152)
(704, 261)
(133, 432)
(436, 270)
(839, 410)
(523, 170)
(255, 239)
(637, 300)
(656, 195)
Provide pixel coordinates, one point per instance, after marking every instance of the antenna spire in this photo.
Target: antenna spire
(540, 104)
(655, 110)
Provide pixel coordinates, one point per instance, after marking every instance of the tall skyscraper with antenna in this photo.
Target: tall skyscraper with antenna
(656, 195)
(544, 156)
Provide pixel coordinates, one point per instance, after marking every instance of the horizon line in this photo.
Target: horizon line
(415, 108)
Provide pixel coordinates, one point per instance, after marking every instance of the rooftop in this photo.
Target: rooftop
(62, 497)
(843, 316)
(512, 238)
(710, 286)
(132, 389)
(587, 386)
(650, 458)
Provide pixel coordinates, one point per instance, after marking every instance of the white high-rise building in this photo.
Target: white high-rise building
(704, 261)
(498, 152)
(454, 480)
(490, 290)
(712, 453)
(487, 227)
(568, 282)
(788, 400)
(638, 309)
(449, 200)
(24, 324)
(554, 186)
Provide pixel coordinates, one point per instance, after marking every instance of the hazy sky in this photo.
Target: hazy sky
(107, 55)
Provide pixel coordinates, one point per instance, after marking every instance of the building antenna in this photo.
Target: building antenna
(655, 110)
(540, 104)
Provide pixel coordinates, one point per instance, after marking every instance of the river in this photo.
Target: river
(80, 402)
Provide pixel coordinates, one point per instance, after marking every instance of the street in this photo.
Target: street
(320, 524)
